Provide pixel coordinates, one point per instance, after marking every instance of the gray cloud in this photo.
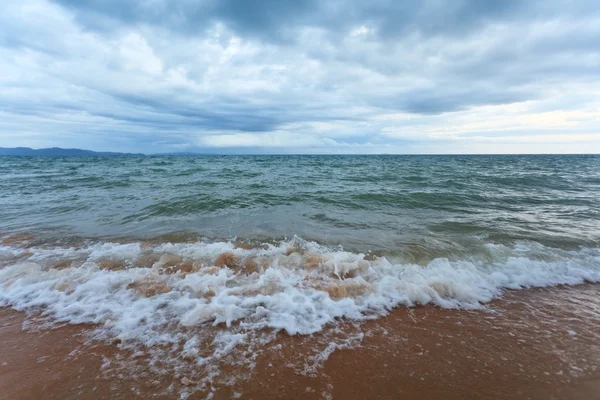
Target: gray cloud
(154, 75)
(278, 20)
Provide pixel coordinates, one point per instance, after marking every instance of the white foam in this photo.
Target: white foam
(285, 295)
(299, 293)
(315, 362)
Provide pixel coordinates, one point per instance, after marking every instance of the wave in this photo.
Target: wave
(158, 294)
(293, 285)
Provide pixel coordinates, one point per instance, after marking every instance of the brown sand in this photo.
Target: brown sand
(534, 344)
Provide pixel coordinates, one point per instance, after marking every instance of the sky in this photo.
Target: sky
(301, 76)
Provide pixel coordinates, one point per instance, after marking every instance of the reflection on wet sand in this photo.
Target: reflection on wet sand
(537, 344)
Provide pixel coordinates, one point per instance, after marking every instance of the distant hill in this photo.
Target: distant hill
(53, 151)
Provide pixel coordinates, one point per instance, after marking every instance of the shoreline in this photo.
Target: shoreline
(532, 344)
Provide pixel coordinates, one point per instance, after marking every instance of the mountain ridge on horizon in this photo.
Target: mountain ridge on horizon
(55, 151)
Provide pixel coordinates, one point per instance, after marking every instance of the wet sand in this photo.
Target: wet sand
(531, 344)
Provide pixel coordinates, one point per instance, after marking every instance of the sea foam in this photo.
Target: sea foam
(158, 294)
(296, 286)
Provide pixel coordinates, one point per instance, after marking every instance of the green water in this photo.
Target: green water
(415, 206)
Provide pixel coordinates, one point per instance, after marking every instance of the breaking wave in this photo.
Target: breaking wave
(203, 301)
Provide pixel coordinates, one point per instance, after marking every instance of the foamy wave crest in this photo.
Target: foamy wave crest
(159, 294)
(296, 286)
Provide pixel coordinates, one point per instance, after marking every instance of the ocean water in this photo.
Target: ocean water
(205, 259)
(421, 205)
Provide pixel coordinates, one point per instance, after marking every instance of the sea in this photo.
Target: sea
(201, 265)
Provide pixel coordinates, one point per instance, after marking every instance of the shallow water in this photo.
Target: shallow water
(533, 344)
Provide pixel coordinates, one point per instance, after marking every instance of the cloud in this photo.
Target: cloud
(300, 76)
(274, 19)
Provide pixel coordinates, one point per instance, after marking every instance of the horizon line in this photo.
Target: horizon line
(192, 153)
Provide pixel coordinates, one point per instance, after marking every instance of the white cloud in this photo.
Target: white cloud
(518, 123)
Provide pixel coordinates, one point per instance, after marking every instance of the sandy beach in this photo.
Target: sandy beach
(533, 344)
